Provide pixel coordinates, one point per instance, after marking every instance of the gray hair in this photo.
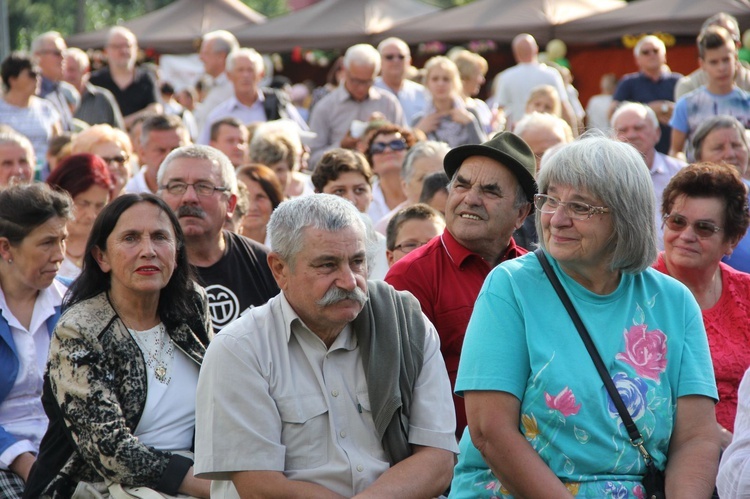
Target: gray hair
(251, 54)
(615, 173)
(394, 41)
(546, 121)
(652, 39)
(719, 122)
(425, 149)
(121, 30)
(362, 54)
(38, 43)
(217, 158)
(15, 138)
(726, 21)
(319, 211)
(224, 41)
(642, 110)
(80, 57)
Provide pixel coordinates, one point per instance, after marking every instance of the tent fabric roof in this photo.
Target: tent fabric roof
(177, 27)
(677, 17)
(500, 20)
(331, 24)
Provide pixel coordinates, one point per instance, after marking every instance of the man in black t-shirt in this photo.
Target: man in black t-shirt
(199, 184)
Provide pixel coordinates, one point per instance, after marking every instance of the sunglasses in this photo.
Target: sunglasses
(394, 145)
(649, 51)
(701, 228)
(391, 57)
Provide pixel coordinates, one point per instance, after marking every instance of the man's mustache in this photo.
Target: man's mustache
(190, 211)
(336, 294)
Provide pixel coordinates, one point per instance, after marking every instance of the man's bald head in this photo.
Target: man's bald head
(525, 48)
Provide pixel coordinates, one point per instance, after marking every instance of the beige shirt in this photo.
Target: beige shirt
(273, 397)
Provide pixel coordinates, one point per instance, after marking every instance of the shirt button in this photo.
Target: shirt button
(335, 393)
(342, 434)
(360, 467)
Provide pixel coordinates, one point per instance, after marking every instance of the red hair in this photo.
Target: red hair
(79, 172)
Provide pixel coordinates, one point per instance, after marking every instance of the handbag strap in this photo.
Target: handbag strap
(635, 436)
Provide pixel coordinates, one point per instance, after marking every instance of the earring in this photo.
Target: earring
(10, 261)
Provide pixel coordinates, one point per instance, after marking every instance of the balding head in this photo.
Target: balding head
(525, 48)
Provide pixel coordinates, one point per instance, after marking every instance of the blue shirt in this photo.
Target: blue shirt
(637, 87)
(520, 340)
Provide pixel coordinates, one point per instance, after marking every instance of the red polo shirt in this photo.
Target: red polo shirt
(446, 279)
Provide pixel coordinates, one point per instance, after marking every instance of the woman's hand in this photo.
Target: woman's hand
(461, 115)
(197, 487)
(430, 122)
(21, 465)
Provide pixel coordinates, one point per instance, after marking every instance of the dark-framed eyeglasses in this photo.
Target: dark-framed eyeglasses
(702, 228)
(649, 51)
(408, 246)
(572, 209)
(394, 145)
(203, 189)
(120, 160)
(390, 57)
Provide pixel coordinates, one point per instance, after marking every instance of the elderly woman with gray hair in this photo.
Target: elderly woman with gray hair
(722, 139)
(541, 420)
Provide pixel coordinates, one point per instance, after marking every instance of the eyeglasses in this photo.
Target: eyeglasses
(408, 246)
(394, 145)
(55, 52)
(649, 51)
(702, 228)
(120, 160)
(572, 209)
(203, 189)
(391, 57)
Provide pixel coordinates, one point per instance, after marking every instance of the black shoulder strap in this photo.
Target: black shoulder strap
(635, 436)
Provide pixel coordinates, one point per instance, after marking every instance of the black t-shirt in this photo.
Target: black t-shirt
(240, 280)
(139, 94)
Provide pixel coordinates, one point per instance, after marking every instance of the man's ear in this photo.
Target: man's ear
(231, 205)
(279, 268)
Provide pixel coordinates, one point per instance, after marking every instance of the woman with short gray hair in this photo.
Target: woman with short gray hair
(531, 387)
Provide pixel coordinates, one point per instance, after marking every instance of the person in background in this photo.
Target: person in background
(16, 159)
(544, 99)
(160, 135)
(278, 144)
(536, 405)
(732, 481)
(48, 50)
(705, 211)
(215, 48)
(410, 228)
(446, 117)
(334, 78)
(32, 246)
(435, 191)
(472, 68)
(113, 146)
(264, 195)
(387, 146)
(395, 59)
(87, 181)
(58, 149)
(98, 105)
(422, 159)
(133, 87)
(124, 362)
(171, 106)
(230, 136)
(722, 139)
(31, 116)
(597, 108)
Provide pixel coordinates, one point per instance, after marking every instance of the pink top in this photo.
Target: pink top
(728, 329)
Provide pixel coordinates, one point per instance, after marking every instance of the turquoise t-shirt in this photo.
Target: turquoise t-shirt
(520, 340)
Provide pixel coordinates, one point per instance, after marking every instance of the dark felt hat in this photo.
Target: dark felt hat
(506, 148)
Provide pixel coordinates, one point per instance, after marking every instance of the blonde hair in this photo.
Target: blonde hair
(99, 134)
(550, 92)
(442, 62)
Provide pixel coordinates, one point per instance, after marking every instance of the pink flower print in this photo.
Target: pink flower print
(565, 402)
(645, 351)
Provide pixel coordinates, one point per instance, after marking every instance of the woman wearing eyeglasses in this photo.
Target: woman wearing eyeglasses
(386, 149)
(113, 146)
(541, 422)
(446, 117)
(705, 215)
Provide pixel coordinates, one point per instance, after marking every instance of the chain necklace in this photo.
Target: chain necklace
(158, 348)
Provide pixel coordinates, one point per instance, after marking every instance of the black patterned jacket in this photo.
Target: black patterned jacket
(94, 394)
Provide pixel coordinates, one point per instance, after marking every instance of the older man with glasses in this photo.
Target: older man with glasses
(395, 60)
(199, 184)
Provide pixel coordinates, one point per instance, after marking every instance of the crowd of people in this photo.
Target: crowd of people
(391, 288)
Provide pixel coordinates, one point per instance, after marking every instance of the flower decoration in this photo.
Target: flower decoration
(530, 426)
(633, 393)
(432, 48)
(481, 46)
(630, 41)
(565, 402)
(645, 351)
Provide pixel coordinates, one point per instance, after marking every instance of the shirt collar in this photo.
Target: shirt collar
(344, 95)
(236, 104)
(459, 253)
(293, 325)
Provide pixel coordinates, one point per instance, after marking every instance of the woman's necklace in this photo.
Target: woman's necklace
(158, 348)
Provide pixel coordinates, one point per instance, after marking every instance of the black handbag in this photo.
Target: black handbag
(653, 480)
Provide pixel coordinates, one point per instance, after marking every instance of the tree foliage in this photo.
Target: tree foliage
(29, 18)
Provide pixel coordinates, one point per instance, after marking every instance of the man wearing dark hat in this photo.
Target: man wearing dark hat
(489, 196)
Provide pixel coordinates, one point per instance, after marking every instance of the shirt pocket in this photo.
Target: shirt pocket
(304, 430)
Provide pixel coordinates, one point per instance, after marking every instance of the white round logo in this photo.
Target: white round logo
(223, 305)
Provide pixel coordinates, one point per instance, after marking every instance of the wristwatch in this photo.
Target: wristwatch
(665, 108)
